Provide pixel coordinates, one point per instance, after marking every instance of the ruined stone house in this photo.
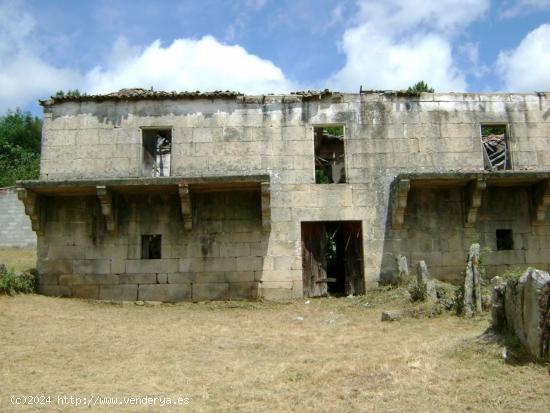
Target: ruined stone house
(190, 196)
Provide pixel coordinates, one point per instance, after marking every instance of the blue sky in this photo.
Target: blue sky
(262, 46)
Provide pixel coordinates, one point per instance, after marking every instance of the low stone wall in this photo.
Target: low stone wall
(15, 226)
(523, 308)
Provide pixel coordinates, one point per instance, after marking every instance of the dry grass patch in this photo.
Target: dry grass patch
(331, 355)
(20, 259)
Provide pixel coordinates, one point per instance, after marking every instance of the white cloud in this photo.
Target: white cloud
(514, 8)
(396, 43)
(187, 64)
(470, 52)
(24, 76)
(527, 67)
(256, 4)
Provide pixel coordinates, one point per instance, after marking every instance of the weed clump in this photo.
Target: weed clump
(12, 282)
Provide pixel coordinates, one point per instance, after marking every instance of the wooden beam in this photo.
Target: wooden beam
(399, 202)
(32, 208)
(266, 205)
(185, 205)
(474, 194)
(107, 208)
(541, 200)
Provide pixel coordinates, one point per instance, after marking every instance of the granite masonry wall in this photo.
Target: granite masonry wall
(15, 226)
(384, 135)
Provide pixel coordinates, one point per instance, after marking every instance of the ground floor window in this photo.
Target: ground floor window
(151, 247)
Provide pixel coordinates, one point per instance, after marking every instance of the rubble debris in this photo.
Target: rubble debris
(391, 316)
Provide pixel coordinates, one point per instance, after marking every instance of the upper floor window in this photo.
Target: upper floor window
(157, 149)
(330, 158)
(494, 139)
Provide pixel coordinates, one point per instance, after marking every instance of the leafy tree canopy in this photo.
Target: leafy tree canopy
(20, 134)
(420, 87)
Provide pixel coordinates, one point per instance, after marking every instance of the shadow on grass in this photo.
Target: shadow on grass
(514, 353)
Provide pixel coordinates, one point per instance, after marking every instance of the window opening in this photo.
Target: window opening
(329, 155)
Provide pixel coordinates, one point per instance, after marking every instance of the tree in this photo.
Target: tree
(19, 147)
(420, 87)
(69, 93)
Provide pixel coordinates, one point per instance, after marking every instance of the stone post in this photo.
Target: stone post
(424, 283)
(498, 314)
(402, 269)
(472, 283)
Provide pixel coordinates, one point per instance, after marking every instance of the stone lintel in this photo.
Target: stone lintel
(474, 194)
(399, 202)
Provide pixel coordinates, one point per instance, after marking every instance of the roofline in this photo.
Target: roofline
(144, 94)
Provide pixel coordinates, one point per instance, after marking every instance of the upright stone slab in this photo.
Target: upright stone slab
(534, 281)
(526, 310)
(402, 269)
(425, 285)
(498, 314)
(472, 283)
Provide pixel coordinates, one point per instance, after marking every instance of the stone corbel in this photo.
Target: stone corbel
(266, 206)
(107, 208)
(399, 202)
(541, 200)
(474, 193)
(185, 205)
(32, 208)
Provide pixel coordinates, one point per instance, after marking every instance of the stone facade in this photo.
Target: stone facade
(415, 180)
(15, 227)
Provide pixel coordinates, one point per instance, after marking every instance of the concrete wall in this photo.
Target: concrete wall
(15, 226)
(385, 135)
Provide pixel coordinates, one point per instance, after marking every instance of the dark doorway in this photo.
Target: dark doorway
(332, 258)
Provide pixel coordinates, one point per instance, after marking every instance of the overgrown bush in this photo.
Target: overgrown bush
(12, 282)
(513, 274)
(446, 295)
(417, 293)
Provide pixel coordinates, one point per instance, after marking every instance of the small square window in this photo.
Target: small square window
(330, 158)
(151, 247)
(505, 239)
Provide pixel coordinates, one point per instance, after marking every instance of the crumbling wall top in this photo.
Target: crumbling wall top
(142, 94)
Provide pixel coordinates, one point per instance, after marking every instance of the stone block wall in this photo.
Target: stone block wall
(384, 135)
(15, 226)
(222, 258)
(434, 231)
(254, 135)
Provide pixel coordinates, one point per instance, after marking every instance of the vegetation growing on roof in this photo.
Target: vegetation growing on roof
(420, 87)
(70, 93)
